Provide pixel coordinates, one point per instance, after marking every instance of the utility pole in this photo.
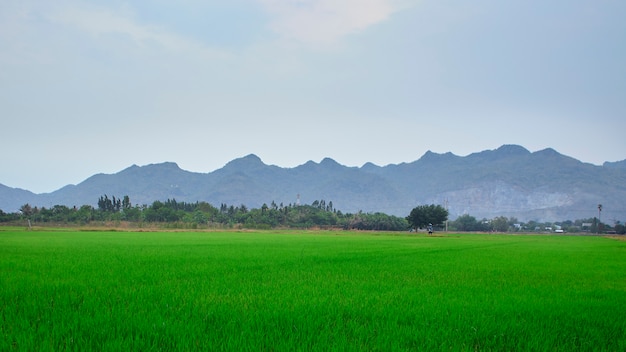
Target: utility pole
(445, 202)
(599, 218)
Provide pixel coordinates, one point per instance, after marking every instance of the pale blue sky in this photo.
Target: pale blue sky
(95, 86)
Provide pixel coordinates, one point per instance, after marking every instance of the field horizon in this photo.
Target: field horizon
(67, 289)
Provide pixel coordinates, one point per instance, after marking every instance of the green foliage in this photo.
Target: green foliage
(8, 217)
(467, 222)
(378, 222)
(423, 215)
(109, 205)
(175, 214)
(325, 291)
(500, 224)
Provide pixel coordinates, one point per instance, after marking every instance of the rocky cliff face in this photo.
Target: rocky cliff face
(500, 198)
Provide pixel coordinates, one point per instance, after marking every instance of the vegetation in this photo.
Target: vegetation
(320, 214)
(468, 223)
(427, 215)
(202, 214)
(288, 291)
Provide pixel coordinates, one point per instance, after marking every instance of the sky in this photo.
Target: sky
(94, 86)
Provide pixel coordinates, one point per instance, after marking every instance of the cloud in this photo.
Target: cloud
(101, 22)
(325, 21)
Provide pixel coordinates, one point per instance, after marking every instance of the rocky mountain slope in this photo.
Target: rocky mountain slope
(508, 181)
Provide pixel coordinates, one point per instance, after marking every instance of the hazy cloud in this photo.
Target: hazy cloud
(101, 22)
(324, 21)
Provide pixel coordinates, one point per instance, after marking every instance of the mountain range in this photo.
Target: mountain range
(508, 181)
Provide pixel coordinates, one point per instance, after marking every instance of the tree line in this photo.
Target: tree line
(176, 214)
(467, 222)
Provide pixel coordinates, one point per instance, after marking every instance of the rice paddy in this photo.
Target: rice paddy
(304, 290)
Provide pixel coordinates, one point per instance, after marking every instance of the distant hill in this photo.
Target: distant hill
(616, 165)
(509, 181)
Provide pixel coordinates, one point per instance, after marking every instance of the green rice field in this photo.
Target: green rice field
(70, 290)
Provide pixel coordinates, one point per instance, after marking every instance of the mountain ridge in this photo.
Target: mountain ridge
(509, 181)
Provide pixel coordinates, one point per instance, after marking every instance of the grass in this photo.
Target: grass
(244, 291)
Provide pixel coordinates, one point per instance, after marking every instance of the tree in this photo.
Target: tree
(466, 222)
(423, 215)
(500, 224)
(105, 204)
(126, 203)
(26, 209)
